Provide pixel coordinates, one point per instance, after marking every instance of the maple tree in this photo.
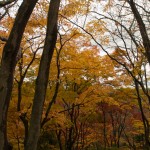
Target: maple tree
(128, 57)
(90, 90)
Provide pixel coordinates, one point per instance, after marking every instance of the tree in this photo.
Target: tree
(131, 56)
(8, 64)
(82, 98)
(142, 27)
(43, 74)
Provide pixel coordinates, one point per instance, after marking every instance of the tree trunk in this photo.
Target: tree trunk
(8, 64)
(43, 74)
(144, 119)
(59, 139)
(144, 34)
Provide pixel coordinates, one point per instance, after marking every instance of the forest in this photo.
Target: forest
(74, 75)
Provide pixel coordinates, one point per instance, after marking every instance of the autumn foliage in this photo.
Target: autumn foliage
(97, 93)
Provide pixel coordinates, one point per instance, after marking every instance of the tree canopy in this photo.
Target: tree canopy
(74, 74)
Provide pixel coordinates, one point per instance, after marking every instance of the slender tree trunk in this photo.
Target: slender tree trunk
(55, 93)
(70, 134)
(23, 115)
(104, 126)
(59, 139)
(43, 74)
(113, 129)
(8, 64)
(144, 119)
(130, 145)
(144, 34)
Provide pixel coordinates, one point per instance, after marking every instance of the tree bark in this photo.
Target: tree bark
(43, 74)
(142, 28)
(8, 64)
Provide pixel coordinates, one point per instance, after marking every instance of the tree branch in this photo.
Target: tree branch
(6, 2)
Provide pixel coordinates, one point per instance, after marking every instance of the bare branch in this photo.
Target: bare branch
(6, 2)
